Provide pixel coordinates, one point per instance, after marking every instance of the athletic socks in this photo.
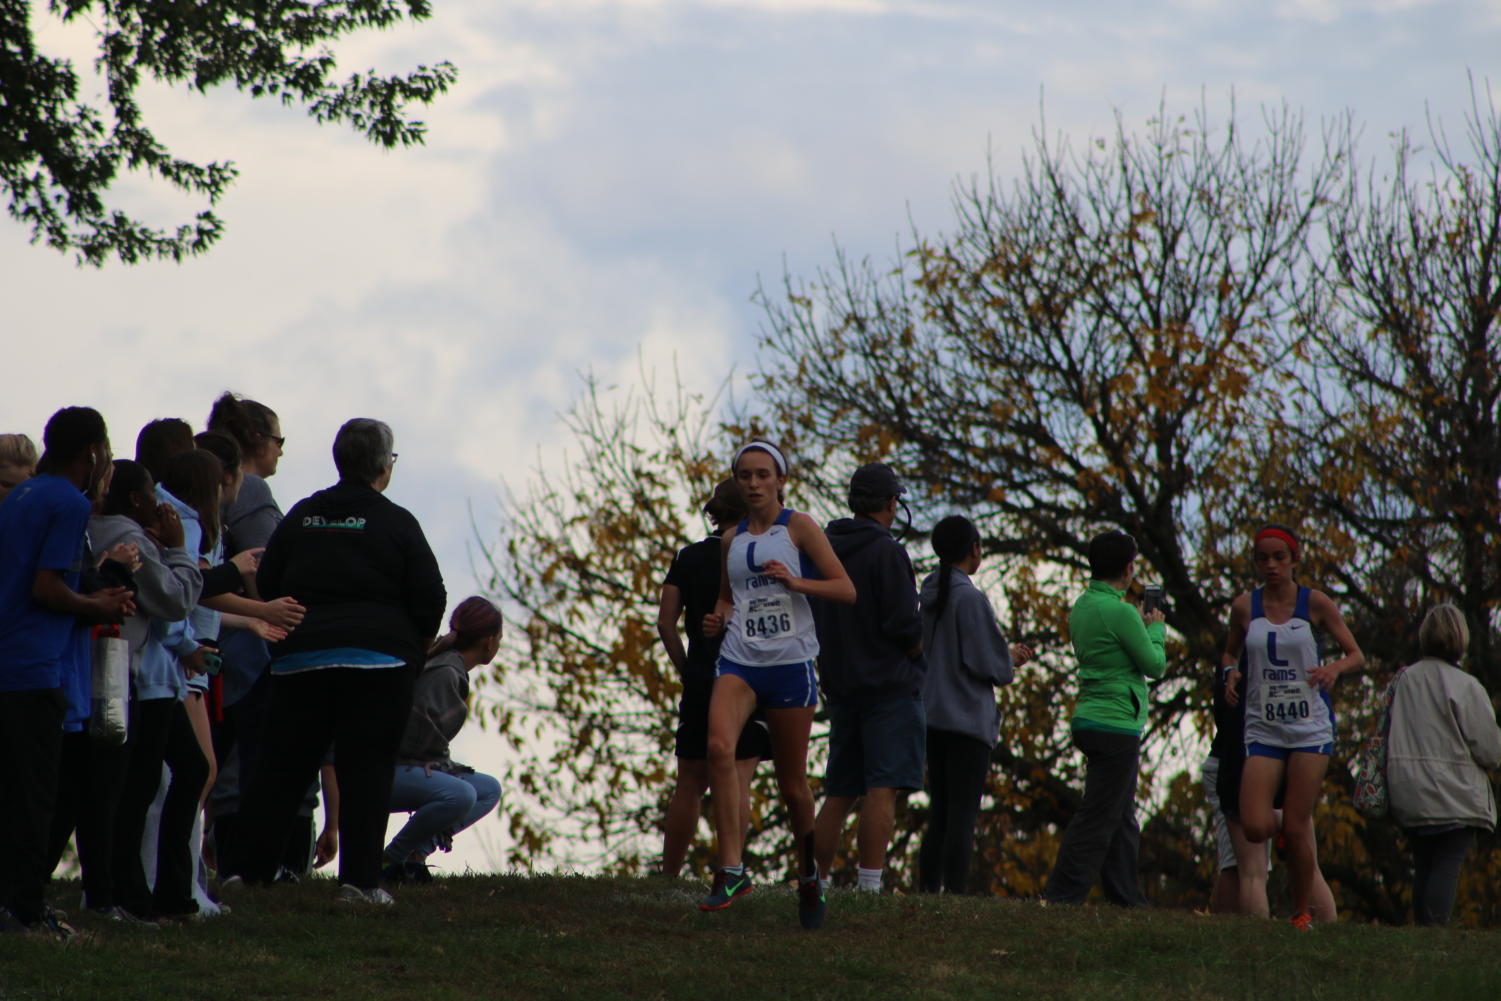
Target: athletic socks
(734, 870)
(870, 879)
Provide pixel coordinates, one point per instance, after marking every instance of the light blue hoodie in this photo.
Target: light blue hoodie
(202, 623)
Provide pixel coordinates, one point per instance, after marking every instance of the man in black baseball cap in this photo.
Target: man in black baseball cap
(871, 669)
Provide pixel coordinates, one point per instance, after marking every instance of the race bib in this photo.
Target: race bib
(1287, 703)
(768, 618)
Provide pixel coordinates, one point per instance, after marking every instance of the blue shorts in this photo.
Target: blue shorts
(876, 745)
(777, 686)
(1256, 749)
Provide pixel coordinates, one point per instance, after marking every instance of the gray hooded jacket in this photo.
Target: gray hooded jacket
(968, 657)
(440, 704)
(167, 586)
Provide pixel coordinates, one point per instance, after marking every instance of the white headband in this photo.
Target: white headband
(769, 449)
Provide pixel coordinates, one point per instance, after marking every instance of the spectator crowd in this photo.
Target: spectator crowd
(184, 669)
(186, 672)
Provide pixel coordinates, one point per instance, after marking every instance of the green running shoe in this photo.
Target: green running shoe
(727, 888)
(811, 905)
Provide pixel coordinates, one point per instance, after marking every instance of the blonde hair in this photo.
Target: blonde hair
(17, 460)
(18, 450)
(1444, 633)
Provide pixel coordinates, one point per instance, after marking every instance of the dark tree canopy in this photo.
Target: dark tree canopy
(1182, 331)
(59, 154)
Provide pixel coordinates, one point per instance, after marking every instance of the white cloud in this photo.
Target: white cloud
(1327, 11)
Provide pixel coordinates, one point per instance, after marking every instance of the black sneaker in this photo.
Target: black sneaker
(727, 888)
(409, 871)
(811, 905)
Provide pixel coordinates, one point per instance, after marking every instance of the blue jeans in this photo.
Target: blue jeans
(440, 804)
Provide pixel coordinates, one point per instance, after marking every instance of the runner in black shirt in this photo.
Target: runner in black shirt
(692, 587)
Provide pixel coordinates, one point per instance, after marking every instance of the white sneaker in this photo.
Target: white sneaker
(351, 894)
(214, 909)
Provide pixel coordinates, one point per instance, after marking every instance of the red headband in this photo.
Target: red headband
(1277, 533)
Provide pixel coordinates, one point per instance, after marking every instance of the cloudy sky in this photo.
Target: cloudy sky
(608, 182)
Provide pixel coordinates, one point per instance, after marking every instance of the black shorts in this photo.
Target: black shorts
(693, 733)
(880, 744)
(1232, 766)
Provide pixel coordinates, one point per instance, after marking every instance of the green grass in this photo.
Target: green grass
(574, 937)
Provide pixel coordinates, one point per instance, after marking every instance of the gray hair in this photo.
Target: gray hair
(362, 449)
(1444, 633)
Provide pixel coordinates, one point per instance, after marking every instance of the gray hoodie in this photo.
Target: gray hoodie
(167, 585)
(967, 659)
(440, 703)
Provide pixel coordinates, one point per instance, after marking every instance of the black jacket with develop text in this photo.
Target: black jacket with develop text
(363, 568)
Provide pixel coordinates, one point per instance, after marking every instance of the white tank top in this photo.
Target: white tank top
(1282, 708)
(770, 624)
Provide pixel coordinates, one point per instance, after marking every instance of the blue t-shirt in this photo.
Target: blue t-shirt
(42, 524)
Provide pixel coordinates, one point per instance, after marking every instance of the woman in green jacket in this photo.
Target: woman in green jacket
(1119, 649)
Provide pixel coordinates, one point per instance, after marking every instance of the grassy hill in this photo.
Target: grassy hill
(538, 938)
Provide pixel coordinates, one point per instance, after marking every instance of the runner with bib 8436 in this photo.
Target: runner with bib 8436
(774, 561)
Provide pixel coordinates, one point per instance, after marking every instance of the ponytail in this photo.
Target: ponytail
(944, 586)
(476, 619)
(953, 539)
(244, 420)
(727, 505)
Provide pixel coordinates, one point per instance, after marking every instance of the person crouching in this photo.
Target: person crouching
(443, 796)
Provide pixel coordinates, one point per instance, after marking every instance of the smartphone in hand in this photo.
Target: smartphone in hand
(1153, 598)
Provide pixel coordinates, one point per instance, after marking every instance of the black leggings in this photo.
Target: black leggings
(88, 798)
(957, 767)
(160, 732)
(1436, 861)
(362, 713)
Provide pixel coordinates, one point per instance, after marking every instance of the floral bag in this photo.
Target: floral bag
(1369, 767)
